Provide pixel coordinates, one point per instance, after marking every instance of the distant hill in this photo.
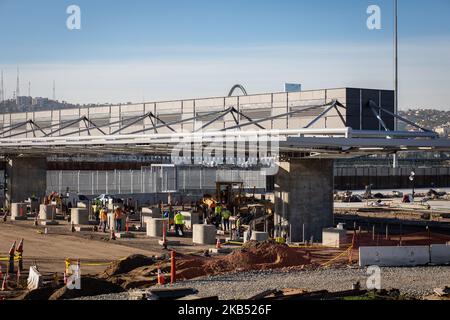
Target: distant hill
(427, 118)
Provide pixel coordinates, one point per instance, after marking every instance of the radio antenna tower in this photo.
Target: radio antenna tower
(18, 84)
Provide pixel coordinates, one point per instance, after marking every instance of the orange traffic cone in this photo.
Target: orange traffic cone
(161, 280)
(218, 244)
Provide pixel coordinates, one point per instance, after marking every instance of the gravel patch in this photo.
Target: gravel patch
(413, 282)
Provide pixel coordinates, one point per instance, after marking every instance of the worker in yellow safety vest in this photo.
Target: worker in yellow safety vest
(179, 224)
(226, 214)
(217, 218)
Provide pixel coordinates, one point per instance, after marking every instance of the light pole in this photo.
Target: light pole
(395, 160)
(412, 178)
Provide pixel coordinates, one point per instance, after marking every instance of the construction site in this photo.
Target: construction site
(219, 198)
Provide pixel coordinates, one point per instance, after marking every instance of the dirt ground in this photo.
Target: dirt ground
(50, 250)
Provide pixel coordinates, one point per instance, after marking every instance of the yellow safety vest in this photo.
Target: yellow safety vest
(226, 214)
(179, 218)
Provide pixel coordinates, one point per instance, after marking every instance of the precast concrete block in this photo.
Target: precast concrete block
(45, 212)
(18, 211)
(259, 236)
(334, 238)
(155, 227)
(79, 216)
(204, 234)
(394, 256)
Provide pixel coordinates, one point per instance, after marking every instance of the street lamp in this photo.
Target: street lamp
(412, 179)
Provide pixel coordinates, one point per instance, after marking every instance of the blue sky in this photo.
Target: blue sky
(150, 50)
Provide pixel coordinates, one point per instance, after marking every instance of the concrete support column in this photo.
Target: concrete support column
(25, 177)
(304, 198)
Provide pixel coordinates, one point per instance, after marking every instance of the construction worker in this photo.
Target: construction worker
(103, 219)
(179, 224)
(238, 226)
(226, 214)
(118, 215)
(217, 215)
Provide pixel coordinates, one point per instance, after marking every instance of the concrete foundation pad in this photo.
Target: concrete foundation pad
(219, 251)
(49, 223)
(82, 228)
(19, 218)
(124, 235)
(259, 236)
(169, 243)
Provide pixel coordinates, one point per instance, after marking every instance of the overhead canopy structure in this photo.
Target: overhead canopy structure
(311, 136)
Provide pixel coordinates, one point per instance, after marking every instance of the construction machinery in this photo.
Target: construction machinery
(229, 193)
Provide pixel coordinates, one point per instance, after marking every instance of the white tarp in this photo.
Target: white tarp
(34, 279)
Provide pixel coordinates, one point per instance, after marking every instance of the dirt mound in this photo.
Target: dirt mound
(89, 287)
(128, 264)
(252, 256)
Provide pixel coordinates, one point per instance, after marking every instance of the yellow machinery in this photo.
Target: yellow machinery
(229, 193)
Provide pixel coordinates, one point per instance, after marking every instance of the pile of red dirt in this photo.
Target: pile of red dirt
(128, 264)
(252, 256)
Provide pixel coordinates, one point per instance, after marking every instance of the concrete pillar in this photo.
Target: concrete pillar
(25, 176)
(304, 198)
(45, 212)
(79, 216)
(204, 234)
(18, 211)
(155, 227)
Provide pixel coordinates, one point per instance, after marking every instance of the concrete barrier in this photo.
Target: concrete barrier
(18, 211)
(204, 234)
(79, 216)
(394, 256)
(45, 212)
(440, 254)
(259, 236)
(155, 227)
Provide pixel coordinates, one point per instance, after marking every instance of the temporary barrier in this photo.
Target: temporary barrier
(394, 256)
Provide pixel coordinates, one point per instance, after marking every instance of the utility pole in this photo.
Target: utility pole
(395, 160)
(29, 88)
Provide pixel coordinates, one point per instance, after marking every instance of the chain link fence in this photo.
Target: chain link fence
(155, 179)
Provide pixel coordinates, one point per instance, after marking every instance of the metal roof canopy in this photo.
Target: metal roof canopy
(339, 142)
